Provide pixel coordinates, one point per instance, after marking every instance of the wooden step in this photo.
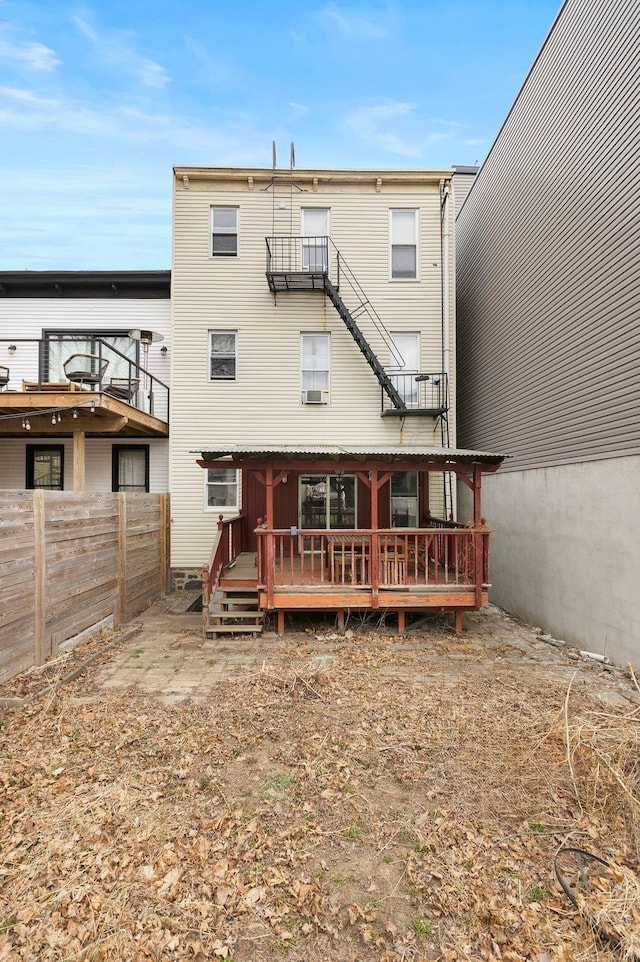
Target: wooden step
(240, 613)
(239, 600)
(253, 629)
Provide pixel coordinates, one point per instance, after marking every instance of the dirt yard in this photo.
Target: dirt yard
(362, 797)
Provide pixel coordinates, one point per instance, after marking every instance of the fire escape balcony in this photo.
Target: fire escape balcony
(298, 263)
(424, 395)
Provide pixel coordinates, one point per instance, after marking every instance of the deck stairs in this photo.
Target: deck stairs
(234, 609)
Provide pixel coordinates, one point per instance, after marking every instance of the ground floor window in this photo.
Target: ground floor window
(327, 501)
(130, 467)
(45, 466)
(221, 488)
(404, 499)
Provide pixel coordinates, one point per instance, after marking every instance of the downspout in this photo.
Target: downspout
(444, 269)
(445, 295)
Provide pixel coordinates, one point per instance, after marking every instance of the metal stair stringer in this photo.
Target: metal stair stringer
(383, 378)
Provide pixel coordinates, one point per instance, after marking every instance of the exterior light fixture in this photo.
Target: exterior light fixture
(164, 350)
(12, 349)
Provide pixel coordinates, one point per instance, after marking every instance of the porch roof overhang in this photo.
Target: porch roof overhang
(96, 414)
(354, 457)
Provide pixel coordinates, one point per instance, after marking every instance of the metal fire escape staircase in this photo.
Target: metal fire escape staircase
(297, 263)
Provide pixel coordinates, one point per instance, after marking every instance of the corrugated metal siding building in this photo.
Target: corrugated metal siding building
(230, 293)
(548, 294)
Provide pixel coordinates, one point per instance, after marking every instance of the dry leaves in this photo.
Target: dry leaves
(342, 812)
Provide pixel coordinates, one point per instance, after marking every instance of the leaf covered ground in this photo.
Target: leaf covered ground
(341, 805)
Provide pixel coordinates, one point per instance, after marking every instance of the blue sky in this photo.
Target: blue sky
(99, 101)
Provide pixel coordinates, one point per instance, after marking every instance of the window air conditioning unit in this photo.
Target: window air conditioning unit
(315, 397)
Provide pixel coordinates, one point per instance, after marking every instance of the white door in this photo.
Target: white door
(315, 238)
(404, 375)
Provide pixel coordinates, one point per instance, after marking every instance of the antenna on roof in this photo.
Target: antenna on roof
(273, 153)
(293, 155)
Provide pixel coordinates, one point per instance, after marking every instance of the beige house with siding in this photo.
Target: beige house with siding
(263, 354)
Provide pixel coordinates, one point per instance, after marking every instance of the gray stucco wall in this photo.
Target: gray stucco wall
(565, 551)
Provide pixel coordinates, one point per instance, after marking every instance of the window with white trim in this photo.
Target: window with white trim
(221, 488)
(403, 230)
(222, 355)
(224, 231)
(315, 352)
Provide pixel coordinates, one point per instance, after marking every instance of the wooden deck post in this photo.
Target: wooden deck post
(270, 545)
(374, 563)
(78, 460)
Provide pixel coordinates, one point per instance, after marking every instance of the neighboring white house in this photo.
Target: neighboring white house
(107, 431)
(265, 351)
(549, 333)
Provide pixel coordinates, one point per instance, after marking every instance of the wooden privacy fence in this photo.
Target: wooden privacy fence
(69, 560)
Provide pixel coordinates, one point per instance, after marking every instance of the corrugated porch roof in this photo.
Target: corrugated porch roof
(382, 453)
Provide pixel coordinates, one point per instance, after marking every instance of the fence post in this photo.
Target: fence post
(164, 544)
(39, 562)
(120, 614)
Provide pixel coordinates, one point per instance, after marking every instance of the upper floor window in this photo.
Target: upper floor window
(222, 355)
(314, 366)
(45, 467)
(224, 231)
(404, 244)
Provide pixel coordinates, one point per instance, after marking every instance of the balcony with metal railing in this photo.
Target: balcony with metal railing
(423, 395)
(80, 374)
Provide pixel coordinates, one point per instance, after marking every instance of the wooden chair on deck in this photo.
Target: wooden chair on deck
(4, 376)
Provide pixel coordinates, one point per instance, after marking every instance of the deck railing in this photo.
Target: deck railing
(389, 558)
(37, 364)
(227, 545)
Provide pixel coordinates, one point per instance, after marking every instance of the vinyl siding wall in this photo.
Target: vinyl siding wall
(549, 337)
(263, 404)
(28, 318)
(548, 258)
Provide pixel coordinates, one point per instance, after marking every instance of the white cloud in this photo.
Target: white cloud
(355, 23)
(116, 48)
(373, 123)
(29, 55)
(298, 110)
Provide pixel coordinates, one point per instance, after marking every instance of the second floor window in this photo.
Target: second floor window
(404, 244)
(224, 231)
(314, 364)
(222, 355)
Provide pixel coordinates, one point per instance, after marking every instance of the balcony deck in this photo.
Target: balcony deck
(392, 570)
